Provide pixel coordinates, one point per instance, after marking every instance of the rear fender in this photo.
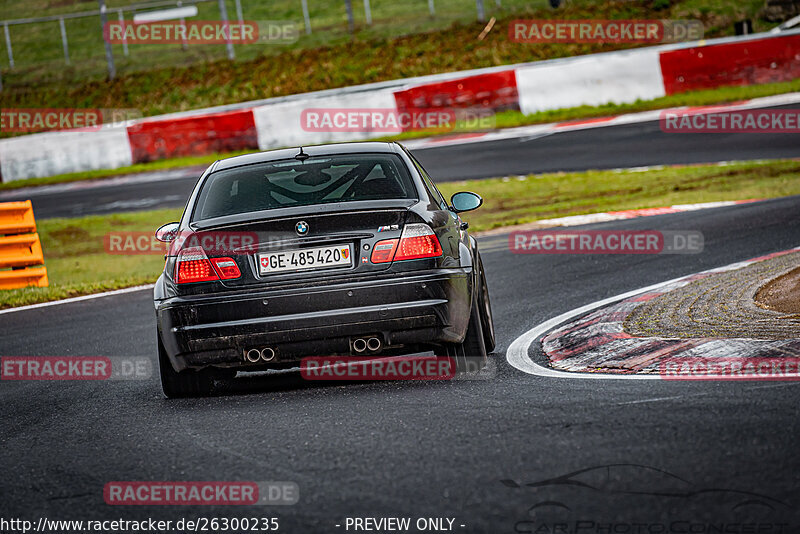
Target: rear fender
(469, 255)
(159, 291)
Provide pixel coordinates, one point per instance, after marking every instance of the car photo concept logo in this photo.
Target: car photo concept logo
(554, 505)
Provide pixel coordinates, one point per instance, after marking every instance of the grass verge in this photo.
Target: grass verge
(77, 264)
(523, 199)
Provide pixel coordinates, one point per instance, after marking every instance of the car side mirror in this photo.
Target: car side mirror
(465, 201)
(168, 232)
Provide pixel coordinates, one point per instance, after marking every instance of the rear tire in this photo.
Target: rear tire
(485, 306)
(470, 354)
(181, 384)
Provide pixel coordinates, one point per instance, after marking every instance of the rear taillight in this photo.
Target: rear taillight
(193, 266)
(384, 251)
(418, 241)
(226, 268)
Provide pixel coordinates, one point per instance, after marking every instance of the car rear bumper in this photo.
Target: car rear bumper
(411, 309)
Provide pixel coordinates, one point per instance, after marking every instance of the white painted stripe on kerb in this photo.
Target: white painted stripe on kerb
(517, 353)
(78, 299)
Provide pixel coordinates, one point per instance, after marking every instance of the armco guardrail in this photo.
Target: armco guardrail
(620, 77)
(21, 257)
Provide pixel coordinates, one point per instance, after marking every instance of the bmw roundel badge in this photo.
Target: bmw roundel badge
(301, 228)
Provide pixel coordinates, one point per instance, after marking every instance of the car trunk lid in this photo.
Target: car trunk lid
(290, 245)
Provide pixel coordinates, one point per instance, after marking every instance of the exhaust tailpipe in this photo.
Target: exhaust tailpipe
(359, 345)
(374, 344)
(267, 354)
(253, 355)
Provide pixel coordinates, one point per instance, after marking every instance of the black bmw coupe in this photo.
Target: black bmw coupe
(345, 249)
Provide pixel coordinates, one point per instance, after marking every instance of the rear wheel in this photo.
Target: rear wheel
(470, 354)
(187, 383)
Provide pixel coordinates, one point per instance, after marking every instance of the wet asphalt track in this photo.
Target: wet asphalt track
(425, 449)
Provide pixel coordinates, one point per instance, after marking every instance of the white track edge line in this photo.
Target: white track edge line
(517, 352)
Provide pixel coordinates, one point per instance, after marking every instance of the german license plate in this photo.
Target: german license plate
(304, 259)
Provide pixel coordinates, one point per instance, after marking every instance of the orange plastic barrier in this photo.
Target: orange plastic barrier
(21, 257)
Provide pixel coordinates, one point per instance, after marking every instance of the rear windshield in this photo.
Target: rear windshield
(317, 180)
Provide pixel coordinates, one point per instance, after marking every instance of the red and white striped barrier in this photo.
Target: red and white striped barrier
(618, 77)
